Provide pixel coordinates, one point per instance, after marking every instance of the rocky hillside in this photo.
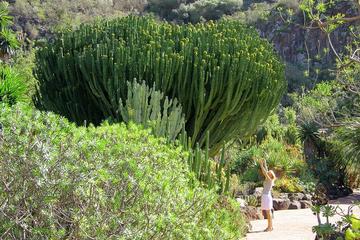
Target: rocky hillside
(306, 50)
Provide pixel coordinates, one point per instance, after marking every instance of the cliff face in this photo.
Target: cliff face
(296, 44)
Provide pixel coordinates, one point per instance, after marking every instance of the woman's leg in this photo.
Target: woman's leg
(269, 219)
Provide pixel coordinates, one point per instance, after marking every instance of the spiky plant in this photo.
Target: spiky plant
(148, 107)
(348, 144)
(8, 40)
(227, 79)
(12, 87)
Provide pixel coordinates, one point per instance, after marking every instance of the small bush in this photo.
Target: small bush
(284, 159)
(12, 87)
(205, 10)
(289, 185)
(194, 11)
(23, 63)
(110, 182)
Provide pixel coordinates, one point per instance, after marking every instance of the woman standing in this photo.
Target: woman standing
(266, 198)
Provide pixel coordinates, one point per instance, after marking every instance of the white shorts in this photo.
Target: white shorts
(266, 202)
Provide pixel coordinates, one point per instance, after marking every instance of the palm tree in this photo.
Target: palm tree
(309, 134)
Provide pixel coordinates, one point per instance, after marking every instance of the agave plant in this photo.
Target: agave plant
(12, 88)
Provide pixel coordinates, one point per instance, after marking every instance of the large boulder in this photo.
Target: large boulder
(307, 197)
(305, 204)
(295, 205)
(242, 202)
(284, 195)
(281, 204)
(258, 191)
(296, 196)
(253, 213)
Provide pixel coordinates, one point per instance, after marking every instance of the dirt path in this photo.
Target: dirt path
(295, 224)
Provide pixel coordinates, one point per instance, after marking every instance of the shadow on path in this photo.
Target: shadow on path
(355, 197)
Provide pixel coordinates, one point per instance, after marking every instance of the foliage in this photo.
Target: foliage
(210, 172)
(282, 127)
(164, 117)
(193, 11)
(319, 105)
(205, 10)
(252, 201)
(348, 145)
(256, 11)
(164, 8)
(288, 185)
(277, 141)
(226, 78)
(329, 116)
(109, 182)
(41, 18)
(12, 88)
(23, 63)
(8, 40)
(353, 232)
(347, 228)
(148, 107)
(317, 12)
(285, 160)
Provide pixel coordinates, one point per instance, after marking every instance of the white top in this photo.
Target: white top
(268, 184)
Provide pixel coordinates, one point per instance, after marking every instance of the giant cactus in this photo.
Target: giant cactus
(225, 76)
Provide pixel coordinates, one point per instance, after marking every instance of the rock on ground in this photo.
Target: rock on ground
(281, 204)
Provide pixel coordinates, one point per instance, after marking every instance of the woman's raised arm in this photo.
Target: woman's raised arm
(264, 169)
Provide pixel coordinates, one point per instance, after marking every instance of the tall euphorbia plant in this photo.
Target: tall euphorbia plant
(225, 76)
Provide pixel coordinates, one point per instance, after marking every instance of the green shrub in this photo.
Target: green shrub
(164, 8)
(282, 127)
(12, 87)
(205, 10)
(8, 40)
(347, 143)
(251, 175)
(193, 11)
(288, 185)
(226, 78)
(23, 63)
(245, 159)
(286, 160)
(252, 200)
(254, 13)
(109, 182)
(40, 18)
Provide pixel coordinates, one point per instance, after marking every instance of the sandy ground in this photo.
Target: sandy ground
(296, 224)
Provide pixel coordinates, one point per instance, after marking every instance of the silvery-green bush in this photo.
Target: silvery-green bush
(59, 181)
